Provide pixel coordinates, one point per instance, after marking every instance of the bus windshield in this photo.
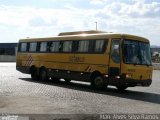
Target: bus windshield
(136, 52)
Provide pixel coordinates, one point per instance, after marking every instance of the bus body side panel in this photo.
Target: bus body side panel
(70, 66)
(80, 66)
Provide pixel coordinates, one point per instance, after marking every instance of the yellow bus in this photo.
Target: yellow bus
(101, 58)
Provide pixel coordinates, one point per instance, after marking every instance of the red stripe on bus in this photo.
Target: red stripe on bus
(28, 60)
(87, 68)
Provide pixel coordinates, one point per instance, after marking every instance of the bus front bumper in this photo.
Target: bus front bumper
(132, 82)
(128, 82)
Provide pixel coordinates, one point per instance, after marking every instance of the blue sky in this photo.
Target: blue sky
(44, 18)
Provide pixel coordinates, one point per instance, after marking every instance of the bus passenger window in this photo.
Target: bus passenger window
(23, 47)
(115, 55)
(33, 47)
(67, 46)
(55, 47)
(43, 47)
(83, 46)
(99, 45)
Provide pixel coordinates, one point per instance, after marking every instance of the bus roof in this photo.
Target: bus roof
(80, 35)
(81, 32)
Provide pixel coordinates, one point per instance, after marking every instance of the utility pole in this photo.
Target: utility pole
(96, 26)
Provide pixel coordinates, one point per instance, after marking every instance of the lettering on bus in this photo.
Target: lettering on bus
(131, 70)
(76, 59)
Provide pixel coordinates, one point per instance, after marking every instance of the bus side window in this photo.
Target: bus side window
(43, 47)
(23, 47)
(100, 46)
(54, 47)
(83, 46)
(67, 46)
(33, 47)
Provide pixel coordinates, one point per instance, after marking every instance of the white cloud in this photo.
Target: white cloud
(136, 18)
(97, 2)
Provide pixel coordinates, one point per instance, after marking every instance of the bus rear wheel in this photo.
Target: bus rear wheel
(43, 75)
(98, 83)
(34, 74)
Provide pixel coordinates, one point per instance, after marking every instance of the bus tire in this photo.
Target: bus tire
(121, 88)
(34, 74)
(98, 83)
(43, 75)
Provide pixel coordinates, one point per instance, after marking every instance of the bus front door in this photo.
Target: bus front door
(114, 62)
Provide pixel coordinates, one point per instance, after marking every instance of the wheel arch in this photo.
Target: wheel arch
(94, 74)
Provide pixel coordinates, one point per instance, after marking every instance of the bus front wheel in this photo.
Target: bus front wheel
(98, 82)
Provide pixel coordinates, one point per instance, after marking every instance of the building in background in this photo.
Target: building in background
(155, 52)
(8, 52)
